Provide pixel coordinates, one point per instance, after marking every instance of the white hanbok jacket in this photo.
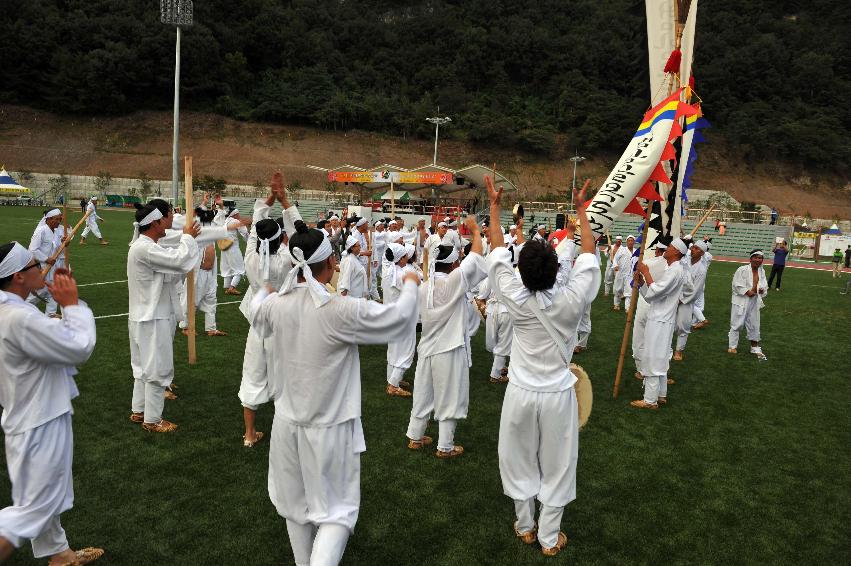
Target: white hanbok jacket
(743, 282)
(152, 271)
(662, 297)
(232, 262)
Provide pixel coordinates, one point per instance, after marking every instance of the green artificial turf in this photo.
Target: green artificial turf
(748, 464)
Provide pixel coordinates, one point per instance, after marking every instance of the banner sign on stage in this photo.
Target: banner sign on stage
(397, 177)
(804, 243)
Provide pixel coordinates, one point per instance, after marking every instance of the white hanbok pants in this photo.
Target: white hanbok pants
(747, 316)
(538, 453)
(442, 387)
(498, 336)
(638, 331)
(400, 356)
(373, 280)
(622, 289)
(253, 390)
(685, 316)
(152, 360)
(205, 299)
(584, 329)
(39, 463)
(656, 358)
(698, 309)
(609, 281)
(314, 483)
(92, 228)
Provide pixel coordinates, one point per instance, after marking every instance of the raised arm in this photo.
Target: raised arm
(495, 197)
(586, 234)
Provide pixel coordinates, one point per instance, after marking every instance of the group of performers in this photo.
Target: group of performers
(308, 311)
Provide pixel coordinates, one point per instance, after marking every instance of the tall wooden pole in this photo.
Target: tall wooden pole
(65, 226)
(702, 220)
(633, 300)
(190, 277)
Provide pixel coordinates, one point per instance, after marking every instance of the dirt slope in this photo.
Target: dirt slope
(247, 152)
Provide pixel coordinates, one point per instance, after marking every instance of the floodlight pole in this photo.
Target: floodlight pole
(576, 159)
(177, 13)
(176, 134)
(437, 121)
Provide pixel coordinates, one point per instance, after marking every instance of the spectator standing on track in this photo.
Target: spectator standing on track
(780, 253)
(773, 216)
(837, 262)
(847, 257)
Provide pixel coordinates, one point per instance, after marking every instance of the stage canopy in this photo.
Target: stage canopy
(8, 185)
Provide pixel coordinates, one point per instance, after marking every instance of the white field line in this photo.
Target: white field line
(101, 283)
(127, 313)
(744, 261)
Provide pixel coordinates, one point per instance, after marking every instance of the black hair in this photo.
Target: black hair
(163, 206)
(267, 228)
(388, 255)
(538, 265)
(4, 251)
(321, 224)
(413, 258)
(142, 212)
(309, 241)
(467, 249)
(205, 216)
(443, 252)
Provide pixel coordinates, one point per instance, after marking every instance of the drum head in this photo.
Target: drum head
(517, 211)
(584, 393)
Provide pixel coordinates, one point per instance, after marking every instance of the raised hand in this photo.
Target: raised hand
(64, 288)
(494, 196)
(579, 196)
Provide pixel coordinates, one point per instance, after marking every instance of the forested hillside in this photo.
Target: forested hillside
(537, 75)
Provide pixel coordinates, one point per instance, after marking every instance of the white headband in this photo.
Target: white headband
(451, 258)
(232, 212)
(52, 213)
(152, 216)
(335, 217)
(379, 223)
(441, 224)
(661, 246)
(17, 259)
(265, 255)
(318, 292)
(351, 241)
(702, 245)
(541, 227)
(679, 245)
(513, 227)
(757, 252)
(398, 252)
(361, 222)
(630, 237)
(410, 250)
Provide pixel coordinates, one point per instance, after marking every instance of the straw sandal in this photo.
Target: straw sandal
(663, 400)
(405, 384)
(162, 426)
(457, 450)
(641, 404)
(418, 444)
(638, 376)
(678, 356)
(731, 350)
(258, 436)
(529, 537)
(137, 418)
(232, 291)
(170, 395)
(85, 556)
(186, 332)
(500, 379)
(394, 391)
(560, 544)
(104, 243)
(671, 381)
(216, 333)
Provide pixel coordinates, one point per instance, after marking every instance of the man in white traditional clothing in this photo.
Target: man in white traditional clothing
(352, 279)
(442, 378)
(539, 426)
(512, 235)
(37, 359)
(206, 283)
(623, 273)
(400, 353)
(749, 287)
(92, 223)
(317, 438)
(42, 245)
(379, 243)
(232, 264)
(267, 262)
(433, 241)
(451, 237)
(695, 283)
(151, 280)
(498, 331)
(421, 235)
(662, 294)
(699, 319)
(641, 307)
(611, 252)
(541, 234)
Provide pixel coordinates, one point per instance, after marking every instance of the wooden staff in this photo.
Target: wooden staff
(190, 277)
(63, 245)
(425, 264)
(702, 220)
(369, 263)
(65, 225)
(633, 300)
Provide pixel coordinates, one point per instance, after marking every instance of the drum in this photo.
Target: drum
(584, 393)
